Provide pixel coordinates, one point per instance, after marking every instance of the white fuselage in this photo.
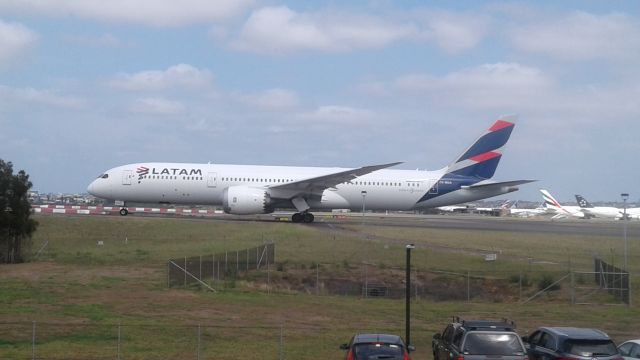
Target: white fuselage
(205, 184)
(603, 212)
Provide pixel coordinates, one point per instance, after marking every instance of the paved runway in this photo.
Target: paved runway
(541, 225)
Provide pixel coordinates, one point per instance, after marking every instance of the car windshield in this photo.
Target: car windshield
(590, 347)
(371, 351)
(493, 344)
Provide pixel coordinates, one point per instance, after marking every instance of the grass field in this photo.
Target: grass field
(94, 302)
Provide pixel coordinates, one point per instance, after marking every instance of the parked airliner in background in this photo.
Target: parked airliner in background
(254, 189)
(598, 211)
(515, 211)
(560, 211)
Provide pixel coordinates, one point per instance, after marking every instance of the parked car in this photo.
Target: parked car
(478, 339)
(377, 346)
(569, 343)
(630, 350)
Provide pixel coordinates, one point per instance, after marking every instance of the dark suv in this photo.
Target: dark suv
(478, 339)
(569, 343)
(377, 346)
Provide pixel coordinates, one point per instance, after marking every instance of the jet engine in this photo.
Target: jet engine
(245, 200)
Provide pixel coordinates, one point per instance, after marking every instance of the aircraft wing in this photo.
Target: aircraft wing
(316, 185)
(498, 184)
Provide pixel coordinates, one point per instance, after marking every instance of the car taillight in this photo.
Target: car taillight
(350, 355)
(460, 357)
(406, 356)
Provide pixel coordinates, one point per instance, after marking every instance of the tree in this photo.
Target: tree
(16, 225)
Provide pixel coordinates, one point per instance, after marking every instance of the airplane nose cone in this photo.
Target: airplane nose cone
(91, 188)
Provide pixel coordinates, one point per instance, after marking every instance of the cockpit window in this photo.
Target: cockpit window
(103, 176)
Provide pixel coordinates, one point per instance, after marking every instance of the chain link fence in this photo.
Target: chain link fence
(370, 280)
(207, 269)
(73, 341)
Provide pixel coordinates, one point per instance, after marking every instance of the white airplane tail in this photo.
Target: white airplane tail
(551, 203)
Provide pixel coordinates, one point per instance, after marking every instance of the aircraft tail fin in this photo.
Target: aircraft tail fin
(550, 201)
(582, 202)
(482, 157)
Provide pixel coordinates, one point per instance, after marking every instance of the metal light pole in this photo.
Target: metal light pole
(364, 194)
(625, 196)
(407, 319)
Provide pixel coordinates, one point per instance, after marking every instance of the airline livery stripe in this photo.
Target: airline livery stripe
(500, 124)
(486, 156)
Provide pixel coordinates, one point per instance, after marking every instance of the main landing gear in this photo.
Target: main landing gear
(304, 217)
(124, 212)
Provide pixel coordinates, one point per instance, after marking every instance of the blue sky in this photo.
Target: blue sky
(86, 85)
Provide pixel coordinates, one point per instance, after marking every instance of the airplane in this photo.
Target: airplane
(257, 189)
(560, 211)
(598, 211)
(515, 211)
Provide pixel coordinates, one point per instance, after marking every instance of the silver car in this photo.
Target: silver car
(630, 350)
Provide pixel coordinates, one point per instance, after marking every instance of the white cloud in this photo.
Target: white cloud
(272, 99)
(14, 40)
(279, 29)
(144, 12)
(343, 115)
(486, 86)
(40, 97)
(157, 106)
(455, 33)
(181, 76)
(581, 36)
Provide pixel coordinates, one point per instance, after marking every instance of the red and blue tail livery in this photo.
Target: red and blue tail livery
(468, 176)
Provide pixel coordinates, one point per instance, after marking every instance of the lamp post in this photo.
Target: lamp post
(625, 196)
(364, 195)
(407, 293)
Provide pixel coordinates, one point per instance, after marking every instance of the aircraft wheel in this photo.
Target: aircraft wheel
(308, 217)
(124, 212)
(297, 217)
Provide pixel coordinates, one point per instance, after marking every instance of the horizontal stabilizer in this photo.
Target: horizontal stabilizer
(498, 184)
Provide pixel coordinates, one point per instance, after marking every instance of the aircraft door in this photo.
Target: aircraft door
(127, 175)
(212, 180)
(434, 187)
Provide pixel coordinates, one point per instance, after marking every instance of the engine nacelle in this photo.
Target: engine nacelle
(245, 200)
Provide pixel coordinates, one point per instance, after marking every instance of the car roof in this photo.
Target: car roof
(488, 325)
(636, 341)
(383, 338)
(578, 333)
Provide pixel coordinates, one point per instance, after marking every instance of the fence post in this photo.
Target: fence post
(573, 288)
(468, 286)
(198, 343)
(33, 342)
(281, 347)
(520, 288)
(119, 339)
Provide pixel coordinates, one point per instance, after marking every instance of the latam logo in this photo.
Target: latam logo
(144, 171)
